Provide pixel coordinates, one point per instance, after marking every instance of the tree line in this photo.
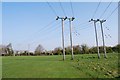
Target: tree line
(84, 49)
(78, 49)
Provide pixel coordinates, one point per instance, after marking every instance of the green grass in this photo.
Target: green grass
(0, 67)
(83, 66)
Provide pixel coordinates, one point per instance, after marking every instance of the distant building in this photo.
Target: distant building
(6, 49)
(2, 50)
(49, 53)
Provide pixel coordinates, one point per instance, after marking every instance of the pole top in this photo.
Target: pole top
(71, 19)
(93, 20)
(63, 18)
(101, 20)
(57, 18)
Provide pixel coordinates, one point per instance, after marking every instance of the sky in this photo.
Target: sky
(27, 24)
(119, 25)
(0, 23)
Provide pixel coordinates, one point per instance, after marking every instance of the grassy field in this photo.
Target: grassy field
(84, 66)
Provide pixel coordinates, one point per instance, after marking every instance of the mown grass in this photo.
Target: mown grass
(83, 66)
(0, 67)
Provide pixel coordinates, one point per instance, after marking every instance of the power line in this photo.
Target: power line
(84, 25)
(108, 34)
(78, 26)
(96, 9)
(49, 28)
(62, 8)
(106, 9)
(71, 8)
(113, 11)
(44, 38)
(85, 28)
(76, 32)
(52, 8)
(46, 27)
(49, 32)
(53, 29)
(43, 28)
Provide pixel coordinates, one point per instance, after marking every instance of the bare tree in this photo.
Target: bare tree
(85, 48)
(39, 49)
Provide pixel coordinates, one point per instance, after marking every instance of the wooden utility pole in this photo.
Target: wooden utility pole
(96, 36)
(70, 23)
(104, 48)
(62, 19)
